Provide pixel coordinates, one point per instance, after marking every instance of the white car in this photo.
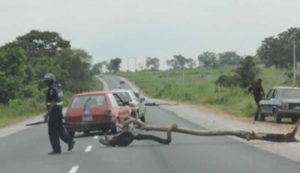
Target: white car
(137, 103)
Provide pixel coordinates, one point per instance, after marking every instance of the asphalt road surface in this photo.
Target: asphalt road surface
(26, 152)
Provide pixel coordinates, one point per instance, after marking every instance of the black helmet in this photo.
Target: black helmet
(49, 79)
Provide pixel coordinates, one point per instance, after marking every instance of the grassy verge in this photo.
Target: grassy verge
(197, 86)
(21, 109)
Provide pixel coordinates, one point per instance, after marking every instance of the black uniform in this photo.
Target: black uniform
(56, 129)
(258, 92)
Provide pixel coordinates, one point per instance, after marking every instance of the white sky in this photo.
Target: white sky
(158, 28)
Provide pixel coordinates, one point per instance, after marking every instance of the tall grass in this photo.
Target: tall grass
(198, 86)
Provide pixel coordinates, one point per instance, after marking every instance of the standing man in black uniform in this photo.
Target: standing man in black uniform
(54, 100)
(258, 92)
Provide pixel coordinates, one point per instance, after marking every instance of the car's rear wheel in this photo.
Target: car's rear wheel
(86, 132)
(260, 115)
(294, 119)
(277, 117)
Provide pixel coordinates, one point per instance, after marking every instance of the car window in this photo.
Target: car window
(290, 93)
(117, 99)
(124, 96)
(274, 94)
(133, 96)
(88, 102)
(270, 93)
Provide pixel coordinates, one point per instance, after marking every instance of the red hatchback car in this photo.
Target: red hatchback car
(94, 111)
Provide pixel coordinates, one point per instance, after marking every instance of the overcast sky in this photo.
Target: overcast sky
(158, 28)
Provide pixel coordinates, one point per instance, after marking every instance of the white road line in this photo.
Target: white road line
(74, 169)
(96, 137)
(88, 148)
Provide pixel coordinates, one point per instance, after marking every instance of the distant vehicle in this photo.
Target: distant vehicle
(94, 111)
(281, 102)
(137, 103)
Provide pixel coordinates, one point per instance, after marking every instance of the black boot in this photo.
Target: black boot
(54, 153)
(71, 145)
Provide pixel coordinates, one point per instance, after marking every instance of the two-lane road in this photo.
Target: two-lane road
(26, 151)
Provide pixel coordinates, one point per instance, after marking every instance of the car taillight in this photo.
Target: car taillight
(285, 106)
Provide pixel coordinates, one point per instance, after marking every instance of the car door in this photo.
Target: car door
(269, 102)
(140, 105)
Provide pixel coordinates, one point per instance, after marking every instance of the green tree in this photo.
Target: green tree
(39, 48)
(12, 73)
(114, 65)
(229, 58)
(98, 68)
(278, 50)
(208, 59)
(39, 44)
(73, 70)
(152, 63)
(247, 71)
(178, 62)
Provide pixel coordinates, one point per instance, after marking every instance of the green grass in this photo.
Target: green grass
(197, 86)
(21, 109)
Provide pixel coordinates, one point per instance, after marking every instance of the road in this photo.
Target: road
(26, 151)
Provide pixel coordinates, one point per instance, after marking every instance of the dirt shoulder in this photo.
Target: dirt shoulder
(213, 119)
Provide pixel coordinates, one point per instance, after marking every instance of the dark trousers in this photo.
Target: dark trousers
(257, 100)
(125, 138)
(151, 137)
(56, 130)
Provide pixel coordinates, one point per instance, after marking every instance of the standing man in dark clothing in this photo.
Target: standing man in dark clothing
(56, 130)
(258, 92)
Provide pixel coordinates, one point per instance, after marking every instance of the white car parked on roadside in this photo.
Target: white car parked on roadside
(137, 103)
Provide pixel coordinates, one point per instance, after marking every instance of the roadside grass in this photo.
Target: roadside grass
(197, 86)
(21, 109)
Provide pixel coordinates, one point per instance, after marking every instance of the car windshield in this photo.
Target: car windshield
(290, 93)
(124, 96)
(88, 102)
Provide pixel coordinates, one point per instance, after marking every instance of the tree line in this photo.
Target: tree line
(29, 57)
(274, 51)
(206, 59)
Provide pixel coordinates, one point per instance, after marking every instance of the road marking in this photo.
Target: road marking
(74, 169)
(96, 137)
(88, 148)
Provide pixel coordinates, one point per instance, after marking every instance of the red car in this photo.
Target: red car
(95, 111)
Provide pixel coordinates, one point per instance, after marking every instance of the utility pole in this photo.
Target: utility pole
(294, 61)
(134, 63)
(127, 63)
